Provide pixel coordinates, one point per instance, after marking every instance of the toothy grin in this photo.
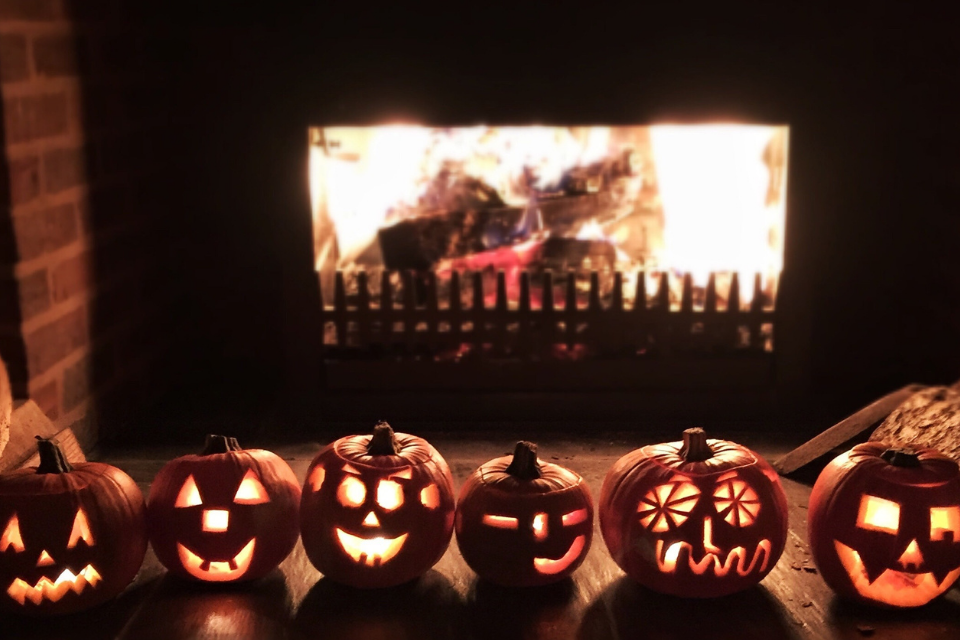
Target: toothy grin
(217, 571)
(668, 556)
(370, 551)
(549, 566)
(896, 588)
(54, 590)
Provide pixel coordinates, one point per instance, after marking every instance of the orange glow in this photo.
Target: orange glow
(11, 536)
(406, 474)
(80, 531)
(668, 505)
(430, 496)
(740, 502)
(45, 559)
(500, 522)
(351, 492)
(370, 551)
(389, 494)
(878, 514)
(540, 526)
(894, 588)
(945, 523)
(217, 571)
(251, 490)
(189, 495)
(371, 520)
(668, 559)
(316, 477)
(574, 517)
(216, 520)
(708, 536)
(911, 556)
(54, 590)
(551, 567)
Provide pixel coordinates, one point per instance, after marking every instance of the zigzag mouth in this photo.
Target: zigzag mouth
(208, 571)
(668, 558)
(54, 590)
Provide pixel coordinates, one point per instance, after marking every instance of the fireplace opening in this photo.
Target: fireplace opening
(548, 243)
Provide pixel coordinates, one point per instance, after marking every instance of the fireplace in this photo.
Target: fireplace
(549, 258)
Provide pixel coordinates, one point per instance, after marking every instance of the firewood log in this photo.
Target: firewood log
(6, 407)
(929, 418)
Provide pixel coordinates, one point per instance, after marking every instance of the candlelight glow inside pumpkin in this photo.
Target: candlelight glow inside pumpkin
(903, 547)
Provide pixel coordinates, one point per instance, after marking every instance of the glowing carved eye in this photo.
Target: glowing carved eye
(878, 514)
(389, 494)
(668, 505)
(574, 517)
(189, 495)
(540, 526)
(500, 522)
(430, 496)
(351, 492)
(80, 531)
(316, 477)
(11, 536)
(738, 500)
(945, 524)
(251, 490)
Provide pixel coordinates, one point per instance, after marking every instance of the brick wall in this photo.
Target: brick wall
(85, 228)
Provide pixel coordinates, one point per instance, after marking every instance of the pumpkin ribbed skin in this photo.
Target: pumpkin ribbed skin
(659, 474)
(929, 480)
(45, 505)
(506, 556)
(414, 465)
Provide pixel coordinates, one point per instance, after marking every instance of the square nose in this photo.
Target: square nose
(216, 520)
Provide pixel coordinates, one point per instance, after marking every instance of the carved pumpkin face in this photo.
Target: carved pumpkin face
(698, 518)
(884, 525)
(377, 511)
(228, 514)
(71, 537)
(523, 522)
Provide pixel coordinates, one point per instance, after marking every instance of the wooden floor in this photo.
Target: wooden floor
(599, 602)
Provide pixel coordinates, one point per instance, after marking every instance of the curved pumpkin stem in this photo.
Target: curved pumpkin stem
(524, 464)
(901, 457)
(219, 444)
(384, 441)
(52, 459)
(695, 447)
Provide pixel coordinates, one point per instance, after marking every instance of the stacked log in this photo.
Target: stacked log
(929, 418)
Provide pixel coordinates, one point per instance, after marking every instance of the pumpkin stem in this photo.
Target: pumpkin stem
(524, 464)
(695, 447)
(384, 441)
(219, 444)
(52, 459)
(901, 457)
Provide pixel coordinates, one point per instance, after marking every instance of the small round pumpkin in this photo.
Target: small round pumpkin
(698, 518)
(884, 524)
(226, 515)
(377, 511)
(71, 536)
(522, 522)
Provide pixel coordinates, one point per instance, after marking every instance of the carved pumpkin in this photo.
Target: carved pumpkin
(884, 524)
(523, 522)
(699, 518)
(377, 511)
(224, 515)
(71, 536)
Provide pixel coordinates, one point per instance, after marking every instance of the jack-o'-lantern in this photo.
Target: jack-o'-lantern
(524, 522)
(377, 511)
(884, 524)
(698, 518)
(225, 515)
(71, 536)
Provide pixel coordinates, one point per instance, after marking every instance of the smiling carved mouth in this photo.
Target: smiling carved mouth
(53, 590)
(217, 571)
(370, 551)
(896, 588)
(549, 566)
(667, 559)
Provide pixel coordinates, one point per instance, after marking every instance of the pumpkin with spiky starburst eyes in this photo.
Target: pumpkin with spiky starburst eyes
(72, 536)
(377, 510)
(884, 524)
(226, 515)
(698, 518)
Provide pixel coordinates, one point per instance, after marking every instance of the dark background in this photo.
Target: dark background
(872, 274)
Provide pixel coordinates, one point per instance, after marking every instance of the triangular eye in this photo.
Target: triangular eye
(251, 490)
(81, 531)
(11, 536)
(189, 495)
